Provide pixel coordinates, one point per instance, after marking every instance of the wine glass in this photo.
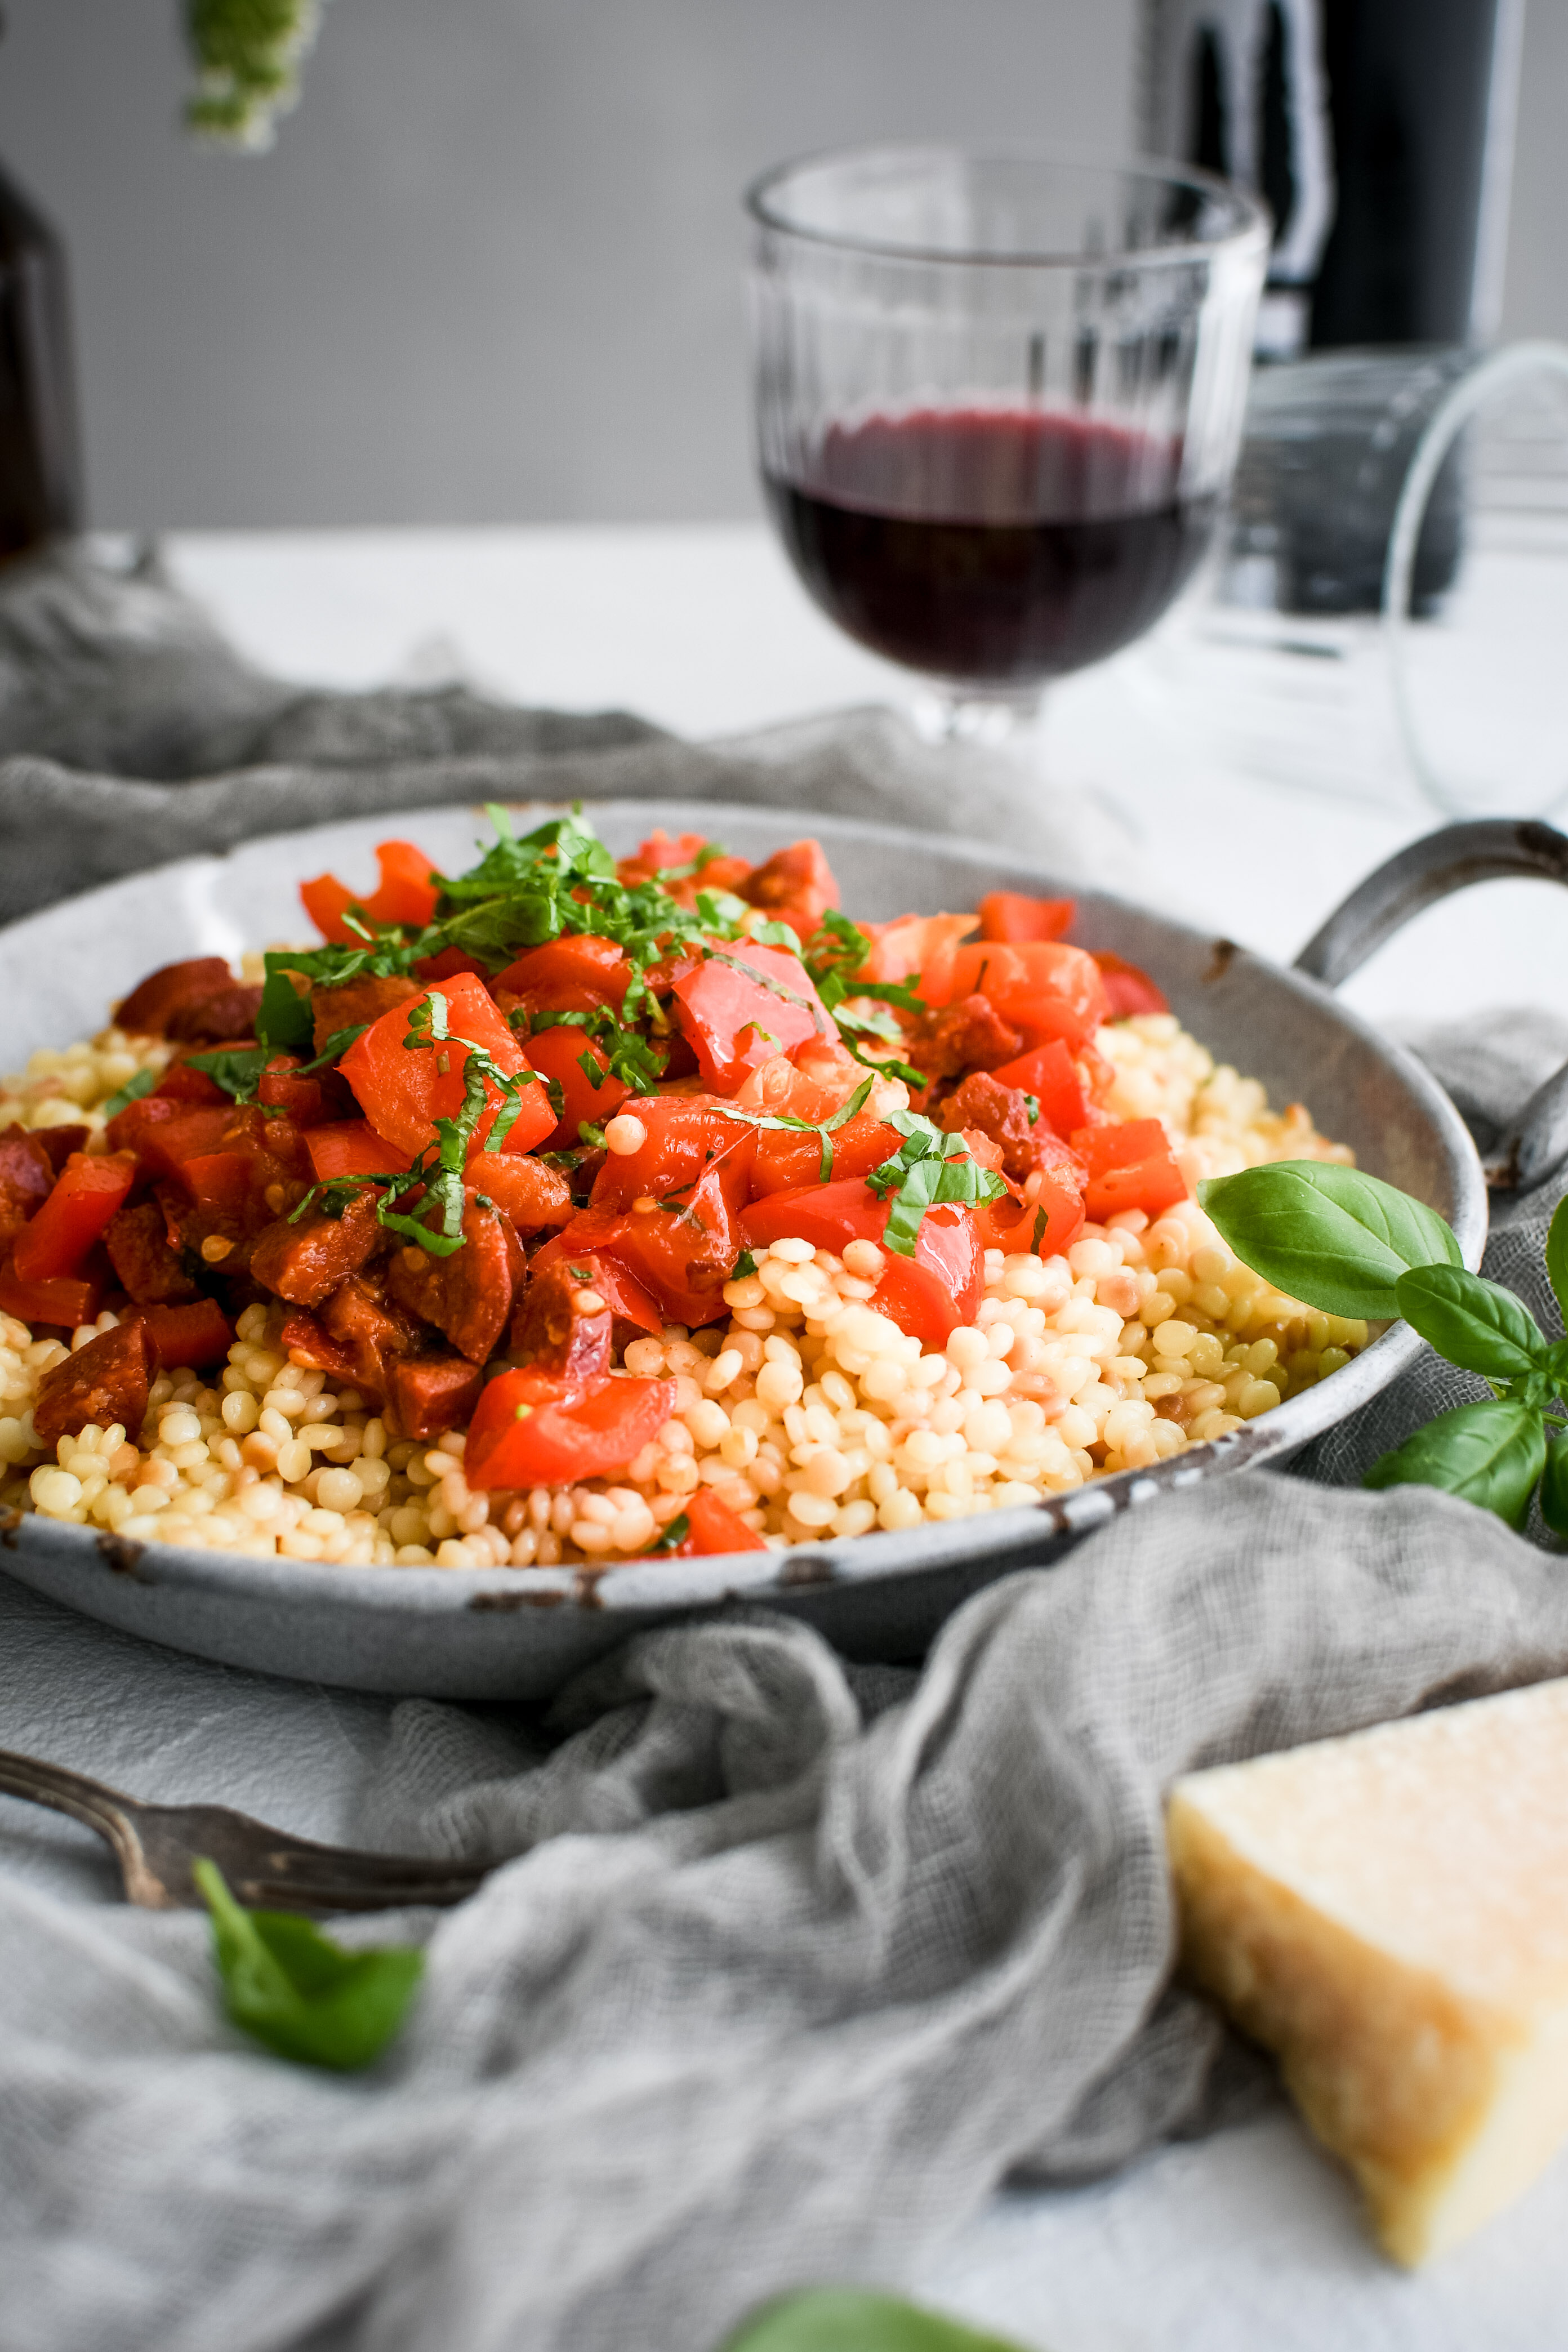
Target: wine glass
(999, 398)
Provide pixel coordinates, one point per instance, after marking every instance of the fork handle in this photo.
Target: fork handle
(93, 1802)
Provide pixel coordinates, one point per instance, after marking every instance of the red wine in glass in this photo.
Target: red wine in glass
(994, 547)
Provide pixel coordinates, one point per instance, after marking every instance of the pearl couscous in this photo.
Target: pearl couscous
(807, 1413)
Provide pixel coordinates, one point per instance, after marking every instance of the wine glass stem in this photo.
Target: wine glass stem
(958, 714)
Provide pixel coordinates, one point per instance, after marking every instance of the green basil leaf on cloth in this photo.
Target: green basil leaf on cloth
(837, 2319)
(1557, 1253)
(1335, 1238)
(1475, 1324)
(1490, 1455)
(1554, 1487)
(295, 1990)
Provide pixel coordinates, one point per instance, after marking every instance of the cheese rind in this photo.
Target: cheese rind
(1389, 1914)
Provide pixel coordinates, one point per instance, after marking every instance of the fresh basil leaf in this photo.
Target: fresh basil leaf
(284, 1021)
(676, 1533)
(1475, 1324)
(841, 2319)
(1557, 1253)
(1335, 1238)
(745, 1264)
(237, 1070)
(1490, 1455)
(133, 1090)
(1554, 1487)
(292, 1988)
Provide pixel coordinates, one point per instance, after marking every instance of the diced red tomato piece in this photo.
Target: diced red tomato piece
(796, 886)
(813, 1082)
(683, 1250)
(129, 1129)
(1128, 989)
(351, 1147)
(60, 1235)
(660, 859)
(190, 1088)
(787, 1161)
(686, 1133)
(402, 1090)
(64, 1300)
(743, 1002)
(218, 1184)
(713, 1528)
(1131, 1165)
(198, 1335)
(929, 1295)
(531, 1194)
(448, 964)
(531, 1429)
(911, 944)
(1050, 1074)
(405, 894)
(1045, 1227)
(577, 1248)
(1043, 987)
(558, 1054)
(193, 1132)
(305, 1100)
(579, 974)
(1011, 915)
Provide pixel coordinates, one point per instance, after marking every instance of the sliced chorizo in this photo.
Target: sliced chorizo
(105, 1382)
(145, 1012)
(428, 1395)
(467, 1297)
(305, 1263)
(226, 1017)
(150, 1270)
(562, 1324)
(27, 1179)
(355, 1004)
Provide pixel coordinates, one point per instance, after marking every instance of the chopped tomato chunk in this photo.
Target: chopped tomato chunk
(711, 1528)
(85, 1195)
(1050, 1074)
(796, 886)
(402, 1089)
(1011, 915)
(911, 944)
(1128, 989)
(406, 894)
(579, 974)
(1042, 986)
(198, 1334)
(531, 1428)
(1131, 1165)
(351, 1147)
(685, 1134)
(787, 1160)
(928, 1295)
(531, 1193)
(742, 1003)
(561, 1054)
(65, 1300)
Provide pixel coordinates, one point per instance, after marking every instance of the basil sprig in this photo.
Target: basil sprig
(843, 2319)
(239, 1069)
(437, 1173)
(298, 1993)
(1350, 1244)
(834, 958)
(140, 1083)
(931, 1168)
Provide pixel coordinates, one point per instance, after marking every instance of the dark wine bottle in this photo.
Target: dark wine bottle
(1380, 132)
(40, 449)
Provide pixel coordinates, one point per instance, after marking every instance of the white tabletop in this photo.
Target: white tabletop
(1249, 2238)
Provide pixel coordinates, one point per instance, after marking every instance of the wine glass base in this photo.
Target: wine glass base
(959, 715)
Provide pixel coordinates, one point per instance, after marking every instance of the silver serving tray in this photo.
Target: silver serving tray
(520, 1633)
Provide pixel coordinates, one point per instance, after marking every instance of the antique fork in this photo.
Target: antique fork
(266, 1868)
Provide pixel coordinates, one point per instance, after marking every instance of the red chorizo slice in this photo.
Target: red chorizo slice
(149, 1267)
(562, 1324)
(225, 1017)
(145, 1012)
(467, 1297)
(106, 1380)
(60, 1142)
(305, 1263)
(357, 1003)
(968, 1035)
(373, 1332)
(431, 1395)
(27, 1179)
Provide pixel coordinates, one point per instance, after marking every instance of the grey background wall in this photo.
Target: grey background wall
(490, 270)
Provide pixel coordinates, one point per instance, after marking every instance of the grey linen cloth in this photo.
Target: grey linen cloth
(794, 1960)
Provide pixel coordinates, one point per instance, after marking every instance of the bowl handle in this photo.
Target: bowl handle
(1486, 850)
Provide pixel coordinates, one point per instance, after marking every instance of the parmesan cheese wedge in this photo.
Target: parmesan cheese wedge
(1388, 1913)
